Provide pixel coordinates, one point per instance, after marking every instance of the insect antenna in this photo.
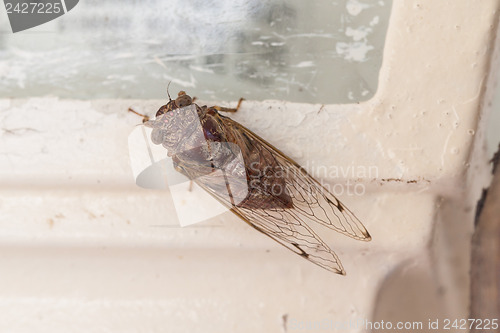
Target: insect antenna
(168, 85)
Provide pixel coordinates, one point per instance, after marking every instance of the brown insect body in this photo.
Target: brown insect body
(253, 179)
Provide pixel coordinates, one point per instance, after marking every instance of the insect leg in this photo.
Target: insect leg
(144, 117)
(224, 109)
(321, 108)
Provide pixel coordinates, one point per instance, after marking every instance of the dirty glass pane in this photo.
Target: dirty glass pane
(304, 51)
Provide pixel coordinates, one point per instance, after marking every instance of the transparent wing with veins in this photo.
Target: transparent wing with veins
(311, 203)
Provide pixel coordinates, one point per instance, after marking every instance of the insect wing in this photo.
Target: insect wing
(311, 202)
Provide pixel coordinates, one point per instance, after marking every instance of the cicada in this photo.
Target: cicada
(253, 179)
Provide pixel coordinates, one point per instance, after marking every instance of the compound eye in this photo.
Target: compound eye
(183, 100)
